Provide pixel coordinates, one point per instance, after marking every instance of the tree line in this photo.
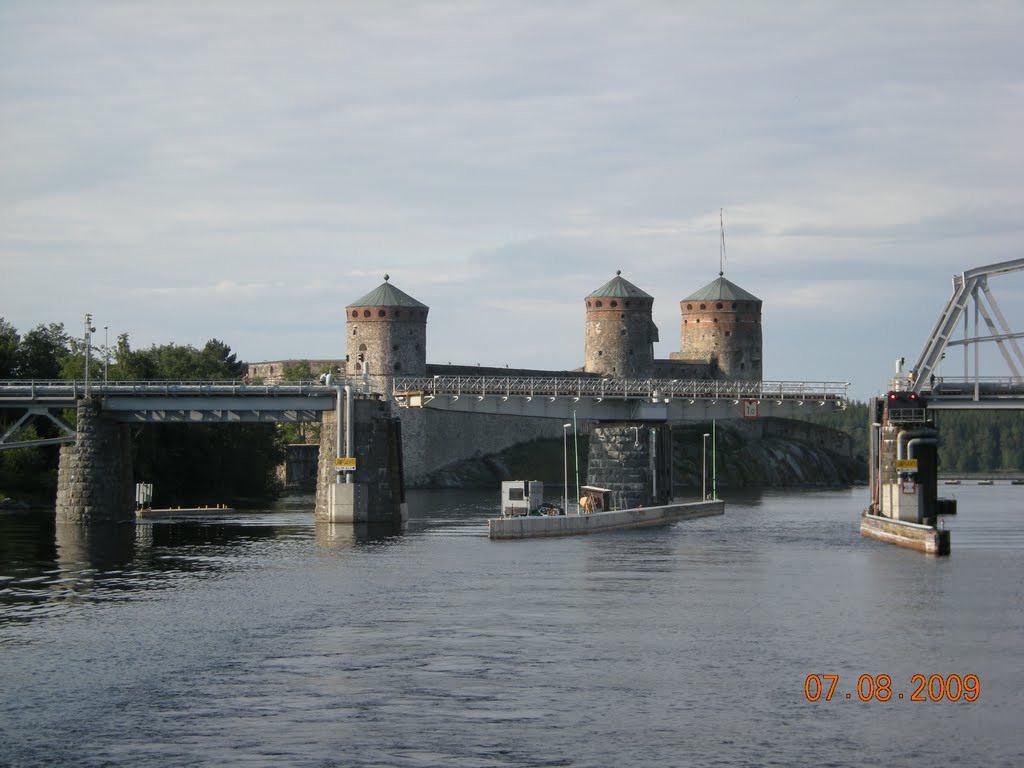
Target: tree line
(187, 464)
(969, 441)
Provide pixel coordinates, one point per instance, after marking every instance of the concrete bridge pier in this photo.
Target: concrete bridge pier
(94, 477)
(633, 460)
(374, 492)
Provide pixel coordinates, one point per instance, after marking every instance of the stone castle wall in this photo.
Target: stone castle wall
(619, 340)
(390, 341)
(727, 332)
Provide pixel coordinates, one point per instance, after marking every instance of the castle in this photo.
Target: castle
(386, 337)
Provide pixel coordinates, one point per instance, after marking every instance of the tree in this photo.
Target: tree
(41, 352)
(9, 340)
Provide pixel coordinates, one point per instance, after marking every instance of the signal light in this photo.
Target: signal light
(892, 395)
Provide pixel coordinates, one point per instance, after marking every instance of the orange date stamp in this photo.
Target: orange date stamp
(880, 688)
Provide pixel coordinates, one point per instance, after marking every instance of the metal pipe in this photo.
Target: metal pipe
(337, 431)
(349, 429)
(919, 441)
(908, 434)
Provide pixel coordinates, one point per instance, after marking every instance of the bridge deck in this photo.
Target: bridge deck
(592, 397)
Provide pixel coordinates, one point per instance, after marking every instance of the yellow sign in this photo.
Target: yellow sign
(345, 463)
(906, 463)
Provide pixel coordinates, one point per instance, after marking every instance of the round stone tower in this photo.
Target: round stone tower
(722, 324)
(620, 331)
(387, 336)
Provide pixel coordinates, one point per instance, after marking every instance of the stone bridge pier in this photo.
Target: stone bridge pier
(633, 461)
(373, 493)
(94, 479)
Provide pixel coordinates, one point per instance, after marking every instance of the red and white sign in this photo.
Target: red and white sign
(908, 487)
(750, 409)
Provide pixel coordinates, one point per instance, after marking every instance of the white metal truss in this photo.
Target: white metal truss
(971, 285)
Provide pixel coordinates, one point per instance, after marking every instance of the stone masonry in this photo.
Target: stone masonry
(621, 460)
(94, 480)
(378, 445)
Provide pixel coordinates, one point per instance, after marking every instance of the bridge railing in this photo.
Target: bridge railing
(990, 386)
(44, 389)
(653, 389)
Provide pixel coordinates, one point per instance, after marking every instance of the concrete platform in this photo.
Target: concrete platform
(923, 538)
(531, 527)
(172, 511)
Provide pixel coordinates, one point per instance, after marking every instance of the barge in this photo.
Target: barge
(548, 520)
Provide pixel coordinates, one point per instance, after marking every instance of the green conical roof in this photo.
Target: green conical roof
(721, 289)
(619, 288)
(386, 295)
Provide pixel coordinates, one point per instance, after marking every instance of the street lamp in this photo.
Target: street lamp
(89, 331)
(704, 478)
(565, 467)
(106, 352)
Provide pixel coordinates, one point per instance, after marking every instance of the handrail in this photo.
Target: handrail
(42, 389)
(652, 389)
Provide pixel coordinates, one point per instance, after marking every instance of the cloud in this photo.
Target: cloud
(263, 163)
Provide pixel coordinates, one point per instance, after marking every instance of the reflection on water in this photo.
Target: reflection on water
(262, 638)
(348, 535)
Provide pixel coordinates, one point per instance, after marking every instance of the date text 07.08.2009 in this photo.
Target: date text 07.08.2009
(880, 688)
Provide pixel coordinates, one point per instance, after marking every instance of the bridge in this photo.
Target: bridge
(905, 508)
(606, 399)
(959, 326)
(164, 402)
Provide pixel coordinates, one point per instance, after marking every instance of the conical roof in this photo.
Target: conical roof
(721, 289)
(386, 295)
(619, 288)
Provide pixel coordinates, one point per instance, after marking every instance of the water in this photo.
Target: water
(264, 640)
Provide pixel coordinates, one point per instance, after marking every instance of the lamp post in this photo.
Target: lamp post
(704, 478)
(565, 467)
(106, 352)
(89, 331)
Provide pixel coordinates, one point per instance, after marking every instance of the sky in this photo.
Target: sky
(243, 170)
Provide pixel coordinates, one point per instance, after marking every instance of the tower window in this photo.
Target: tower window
(689, 306)
(734, 305)
(362, 347)
(398, 313)
(355, 313)
(597, 304)
(614, 303)
(366, 313)
(381, 313)
(703, 306)
(718, 305)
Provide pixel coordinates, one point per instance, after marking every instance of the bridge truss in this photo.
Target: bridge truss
(163, 402)
(971, 292)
